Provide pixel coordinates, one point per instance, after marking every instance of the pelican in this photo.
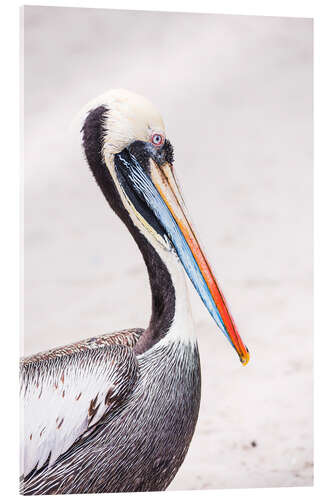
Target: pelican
(117, 412)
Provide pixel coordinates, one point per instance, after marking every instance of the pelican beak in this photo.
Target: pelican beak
(153, 192)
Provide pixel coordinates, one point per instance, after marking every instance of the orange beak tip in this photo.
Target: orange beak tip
(245, 358)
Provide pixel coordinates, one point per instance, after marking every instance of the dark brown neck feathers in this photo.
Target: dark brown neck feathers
(162, 289)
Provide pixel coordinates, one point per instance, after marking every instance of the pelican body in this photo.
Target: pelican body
(117, 412)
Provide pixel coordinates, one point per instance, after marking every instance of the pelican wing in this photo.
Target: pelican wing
(66, 392)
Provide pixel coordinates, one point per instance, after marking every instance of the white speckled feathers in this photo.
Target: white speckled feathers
(64, 396)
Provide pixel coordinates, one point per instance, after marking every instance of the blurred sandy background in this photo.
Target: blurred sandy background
(236, 96)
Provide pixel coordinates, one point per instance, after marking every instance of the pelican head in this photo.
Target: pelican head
(125, 142)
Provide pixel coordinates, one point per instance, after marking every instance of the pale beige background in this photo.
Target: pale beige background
(236, 96)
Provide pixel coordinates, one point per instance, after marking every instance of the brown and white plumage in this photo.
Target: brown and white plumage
(81, 382)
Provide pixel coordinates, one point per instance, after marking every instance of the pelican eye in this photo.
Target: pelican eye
(157, 139)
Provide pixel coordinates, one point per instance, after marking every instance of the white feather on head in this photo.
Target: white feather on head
(130, 117)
